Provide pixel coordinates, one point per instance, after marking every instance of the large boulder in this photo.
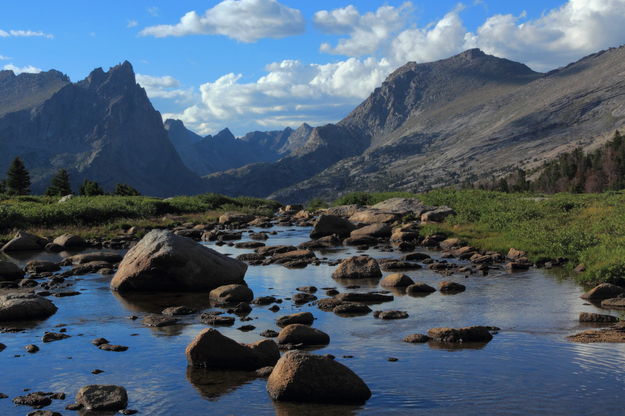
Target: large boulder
(331, 224)
(235, 217)
(374, 216)
(603, 291)
(24, 307)
(302, 377)
(163, 261)
(70, 241)
(359, 267)
(343, 210)
(211, 349)
(403, 206)
(374, 230)
(302, 334)
(41, 266)
(10, 271)
(437, 215)
(102, 397)
(231, 294)
(24, 241)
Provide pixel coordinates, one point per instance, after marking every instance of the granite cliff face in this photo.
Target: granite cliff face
(102, 128)
(443, 122)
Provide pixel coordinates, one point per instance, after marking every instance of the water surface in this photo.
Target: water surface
(529, 368)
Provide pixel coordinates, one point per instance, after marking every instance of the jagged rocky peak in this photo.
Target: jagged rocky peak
(117, 79)
(225, 134)
(19, 92)
(173, 124)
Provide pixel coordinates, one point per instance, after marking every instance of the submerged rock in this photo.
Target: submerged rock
(302, 334)
(23, 306)
(304, 318)
(331, 224)
(231, 294)
(603, 291)
(165, 261)
(102, 397)
(211, 349)
(302, 377)
(359, 267)
(459, 335)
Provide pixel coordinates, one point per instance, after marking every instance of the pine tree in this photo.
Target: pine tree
(122, 189)
(59, 186)
(18, 178)
(91, 188)
(3, 187)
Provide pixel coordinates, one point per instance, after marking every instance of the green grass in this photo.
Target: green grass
(583, 228)
(102, 212)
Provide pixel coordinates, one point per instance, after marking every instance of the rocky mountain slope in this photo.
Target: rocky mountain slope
(103, 128)
(443, 122)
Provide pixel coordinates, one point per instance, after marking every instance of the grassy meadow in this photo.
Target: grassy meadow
(106, 215)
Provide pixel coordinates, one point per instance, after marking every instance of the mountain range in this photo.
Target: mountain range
(466, 117)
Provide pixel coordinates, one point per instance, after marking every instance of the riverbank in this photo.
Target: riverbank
(107, 216)
(586, 229)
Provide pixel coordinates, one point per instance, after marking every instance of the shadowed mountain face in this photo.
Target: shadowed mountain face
(103, 128)
(205, 155)
(442, 122)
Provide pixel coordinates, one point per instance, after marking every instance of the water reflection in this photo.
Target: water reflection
(212, 384)
(313, 409)
(156, 302)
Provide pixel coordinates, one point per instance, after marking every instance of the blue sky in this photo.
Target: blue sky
(266, 64)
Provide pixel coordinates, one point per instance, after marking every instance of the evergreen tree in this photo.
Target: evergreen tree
(18, 178)
(3, 187)
(91, 188)
(122, 189)
(59, 186)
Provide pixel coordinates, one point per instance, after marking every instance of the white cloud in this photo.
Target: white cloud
(565, 34)
(367, 33)
(24, 33)
(292, 91)
(25, 69)
(132, 23)
(243, 20)
(289, 94)
(4, 58)
(164, 87)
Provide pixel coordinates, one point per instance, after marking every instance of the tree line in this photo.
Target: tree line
(576, 171)
(17, 182)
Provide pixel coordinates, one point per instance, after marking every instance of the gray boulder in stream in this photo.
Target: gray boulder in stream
(25, 307)
(163, 261)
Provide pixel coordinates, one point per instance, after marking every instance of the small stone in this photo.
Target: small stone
(216, 320)
(97, 371)
(417, 338)
(390, 314)
(102, 397)
(393, 359)
(53, 336)
(178, 311)
(246, 328)
(159, 321)
(31, 348)
(114, 348)
(269, 333)
(99, 341)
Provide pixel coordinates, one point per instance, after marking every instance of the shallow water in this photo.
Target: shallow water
(528, 368)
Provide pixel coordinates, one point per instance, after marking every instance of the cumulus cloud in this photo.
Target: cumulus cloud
(375, 43)
(291, 93)
(164, 87)
(132, 23)
(4, 58)
(243, 20)
(24, 34)
(577, 28)
(367, 33)
(25, 69)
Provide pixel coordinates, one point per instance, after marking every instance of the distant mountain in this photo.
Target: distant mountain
(102, 128)
(205, 155)
(468, 116)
